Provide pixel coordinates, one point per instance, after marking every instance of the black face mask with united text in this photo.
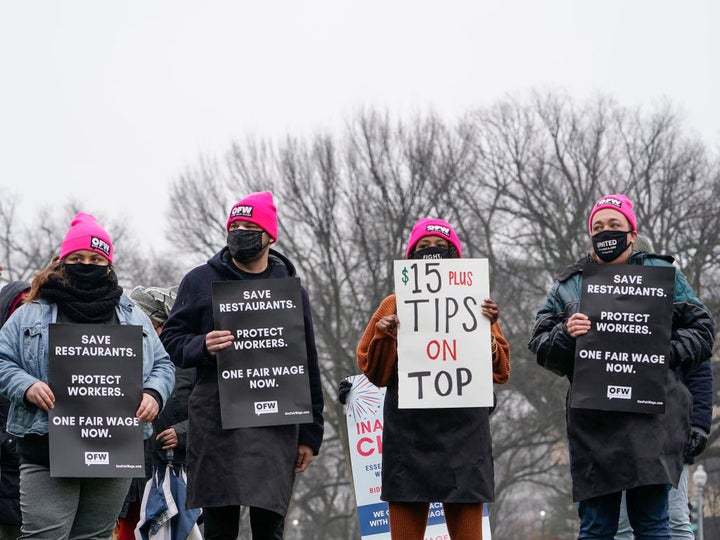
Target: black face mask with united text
(609, 245)
(245, 245)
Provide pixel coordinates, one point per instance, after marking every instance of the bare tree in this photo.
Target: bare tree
(547, 161)
(28, 245)
(517, 179)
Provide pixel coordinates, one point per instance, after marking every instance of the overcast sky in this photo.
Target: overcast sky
(106, 102)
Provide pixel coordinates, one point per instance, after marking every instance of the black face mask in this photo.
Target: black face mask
(609, 245)
(86, 276)
(433, 252)
(245, 246)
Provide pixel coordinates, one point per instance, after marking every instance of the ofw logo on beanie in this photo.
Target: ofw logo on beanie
(609, 200)
(241, 211)
(99, 244)
(438, 229)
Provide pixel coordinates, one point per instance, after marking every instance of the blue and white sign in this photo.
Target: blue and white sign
(364, 415)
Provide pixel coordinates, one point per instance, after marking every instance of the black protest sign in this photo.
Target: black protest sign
(263, 375)
(621, 363)
(95, 372)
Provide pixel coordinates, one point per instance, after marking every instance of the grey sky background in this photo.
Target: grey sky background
(107, 102)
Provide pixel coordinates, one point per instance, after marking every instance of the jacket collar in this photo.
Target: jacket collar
(637, 257)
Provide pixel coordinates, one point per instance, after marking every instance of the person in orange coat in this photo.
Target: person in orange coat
(431, 455)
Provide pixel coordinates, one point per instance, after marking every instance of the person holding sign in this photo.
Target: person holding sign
(431, 455)
(245, 466)
(78, 286)
(616, 450)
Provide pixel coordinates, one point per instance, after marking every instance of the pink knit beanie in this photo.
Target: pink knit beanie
(433, 227)
(86, 233)
(617, 202)
(256, 208)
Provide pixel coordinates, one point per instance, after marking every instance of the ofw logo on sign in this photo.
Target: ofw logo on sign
(619, 392)
(97, 458)
(266, 407)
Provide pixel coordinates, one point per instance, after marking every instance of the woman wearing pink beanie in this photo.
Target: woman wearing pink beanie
(455, 465)
(78, 286)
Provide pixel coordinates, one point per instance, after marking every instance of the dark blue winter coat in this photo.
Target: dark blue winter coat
(699, 381)
(245, 466)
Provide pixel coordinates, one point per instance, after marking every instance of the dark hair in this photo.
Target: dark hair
(41, 278)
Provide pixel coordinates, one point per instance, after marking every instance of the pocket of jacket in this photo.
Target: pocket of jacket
(32, 350)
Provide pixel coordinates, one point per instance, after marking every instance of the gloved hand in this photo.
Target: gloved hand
(696, 443)
(343, 390)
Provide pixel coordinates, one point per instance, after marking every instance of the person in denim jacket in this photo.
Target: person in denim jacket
(78, 286)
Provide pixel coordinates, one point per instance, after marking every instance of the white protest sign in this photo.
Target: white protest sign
(444, 347)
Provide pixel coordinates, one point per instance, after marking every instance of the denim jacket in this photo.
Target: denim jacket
(24, 361)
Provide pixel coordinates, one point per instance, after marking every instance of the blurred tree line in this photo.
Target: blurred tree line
(517, 180)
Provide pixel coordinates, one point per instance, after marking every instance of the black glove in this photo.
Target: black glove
(344, 390)
(696, 443)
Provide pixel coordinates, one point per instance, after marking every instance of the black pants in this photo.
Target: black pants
(223, 523)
